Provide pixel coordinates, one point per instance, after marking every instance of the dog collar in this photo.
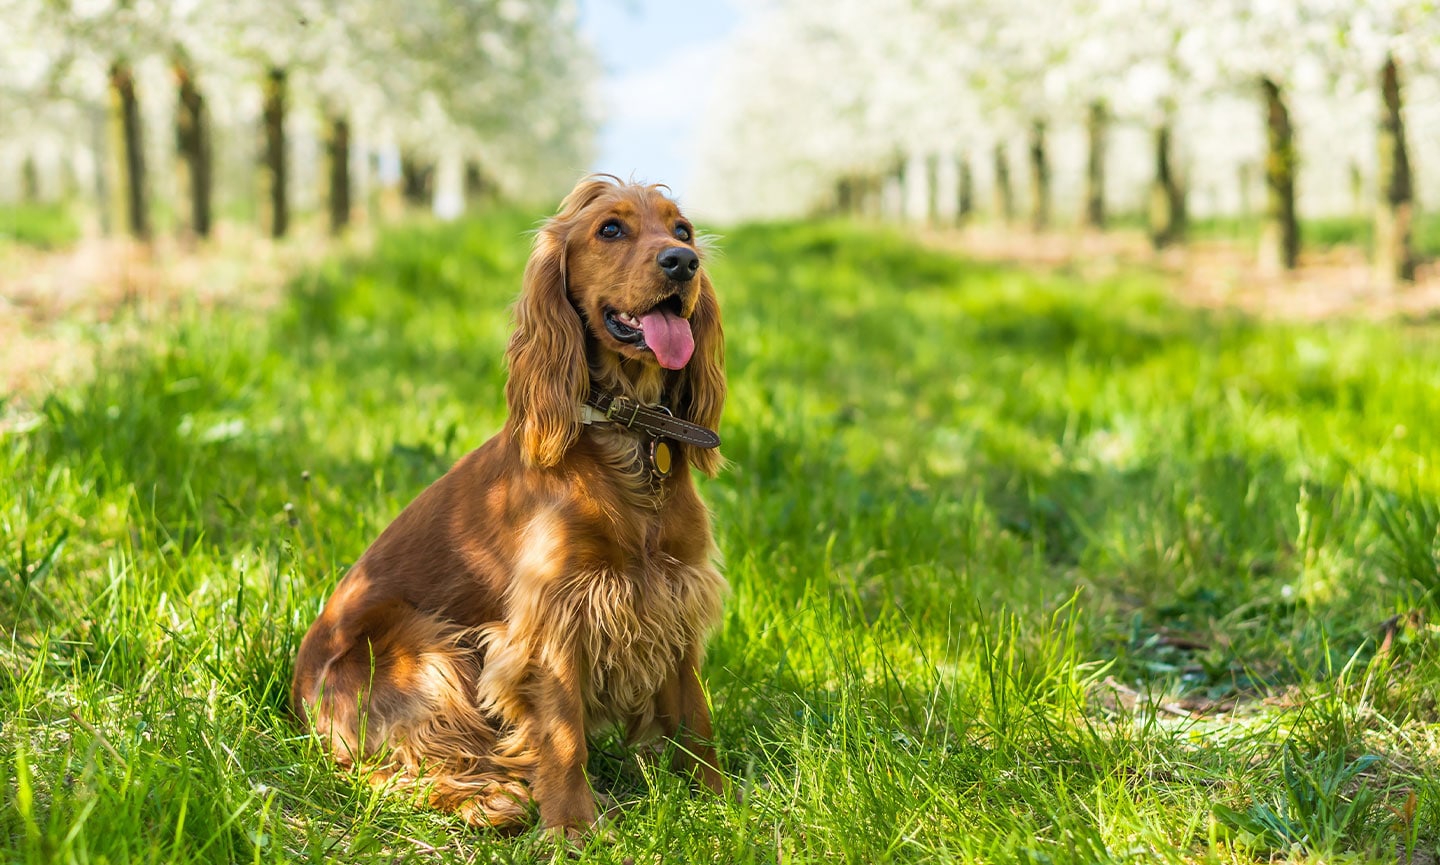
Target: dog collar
(654, 422)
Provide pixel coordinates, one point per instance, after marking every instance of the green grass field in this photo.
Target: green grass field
(43, 226)
(1024, 569)
(1319, 233)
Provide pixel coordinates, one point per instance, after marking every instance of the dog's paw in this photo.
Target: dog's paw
(568, 835)
(507, 808)
(577, 835)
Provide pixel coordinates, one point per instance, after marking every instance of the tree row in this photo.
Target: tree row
(1167, 107)
(440, 97)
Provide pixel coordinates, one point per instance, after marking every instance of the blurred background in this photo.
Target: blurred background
(1241, 119)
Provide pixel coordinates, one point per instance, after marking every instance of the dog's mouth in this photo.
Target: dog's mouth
(661, 330)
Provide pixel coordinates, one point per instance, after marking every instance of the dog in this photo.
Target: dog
(560, 579)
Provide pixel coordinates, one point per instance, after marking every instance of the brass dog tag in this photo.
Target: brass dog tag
(660, 460)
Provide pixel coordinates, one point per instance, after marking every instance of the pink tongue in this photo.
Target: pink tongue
(668, 335)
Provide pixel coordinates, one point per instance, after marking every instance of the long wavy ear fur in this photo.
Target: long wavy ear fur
(704, 394)
(546, 355)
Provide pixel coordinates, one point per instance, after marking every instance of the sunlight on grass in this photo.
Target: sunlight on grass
(45, 226)
(1024, 568)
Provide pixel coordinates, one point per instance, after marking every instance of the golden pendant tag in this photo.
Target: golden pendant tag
(660, 460)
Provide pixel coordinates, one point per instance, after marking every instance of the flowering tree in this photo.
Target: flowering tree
(77, 56)
(498, 82)
(831, 104)
(1375, 41)
(1125, 64)
(1324, 51)
(856, 90)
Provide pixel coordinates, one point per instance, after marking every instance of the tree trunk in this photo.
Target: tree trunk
(416, 180)
(1394, 251)
(844, 195)
(1280, 238)
(967, 190)
(1004, 192)
(892, 193)
(338, 150)
(1167, 196)
(1039, 178)
(275, 161)
(915, 185)
(448, 199)
(99, 146)
(1357, 191)
(1245, 176)
(29, 180)
(1095, 123)
(132, 147)
(875, 196)
(478, 188)
(946, 204)
(192, 144)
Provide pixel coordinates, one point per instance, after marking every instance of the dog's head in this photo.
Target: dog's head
(615, 289)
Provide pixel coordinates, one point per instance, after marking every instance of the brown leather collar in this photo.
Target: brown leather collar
(654, 420)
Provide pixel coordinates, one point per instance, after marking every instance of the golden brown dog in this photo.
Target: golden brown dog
(558, 579)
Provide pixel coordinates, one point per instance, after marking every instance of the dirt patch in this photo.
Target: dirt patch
(57, 306)
(1330, 283)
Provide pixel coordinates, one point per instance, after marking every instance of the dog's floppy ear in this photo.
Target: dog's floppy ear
(548, 377)
(704, 393)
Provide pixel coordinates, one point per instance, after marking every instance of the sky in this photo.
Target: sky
(660, 63)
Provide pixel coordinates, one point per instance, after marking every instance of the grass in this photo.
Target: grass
(1320, 233)
(45, 226)
(1024, 568)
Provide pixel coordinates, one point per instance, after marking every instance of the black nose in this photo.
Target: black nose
(678, 263)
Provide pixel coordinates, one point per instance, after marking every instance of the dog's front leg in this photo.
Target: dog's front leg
(685, 720)
(567, 804)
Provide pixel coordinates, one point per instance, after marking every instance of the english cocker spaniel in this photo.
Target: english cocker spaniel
(558, 579)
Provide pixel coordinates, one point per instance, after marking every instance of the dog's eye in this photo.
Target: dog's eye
(611, 229)
(682, 232)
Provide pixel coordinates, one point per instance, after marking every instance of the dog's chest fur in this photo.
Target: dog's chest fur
(636, 622)
(634, 633)
(627, 618)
